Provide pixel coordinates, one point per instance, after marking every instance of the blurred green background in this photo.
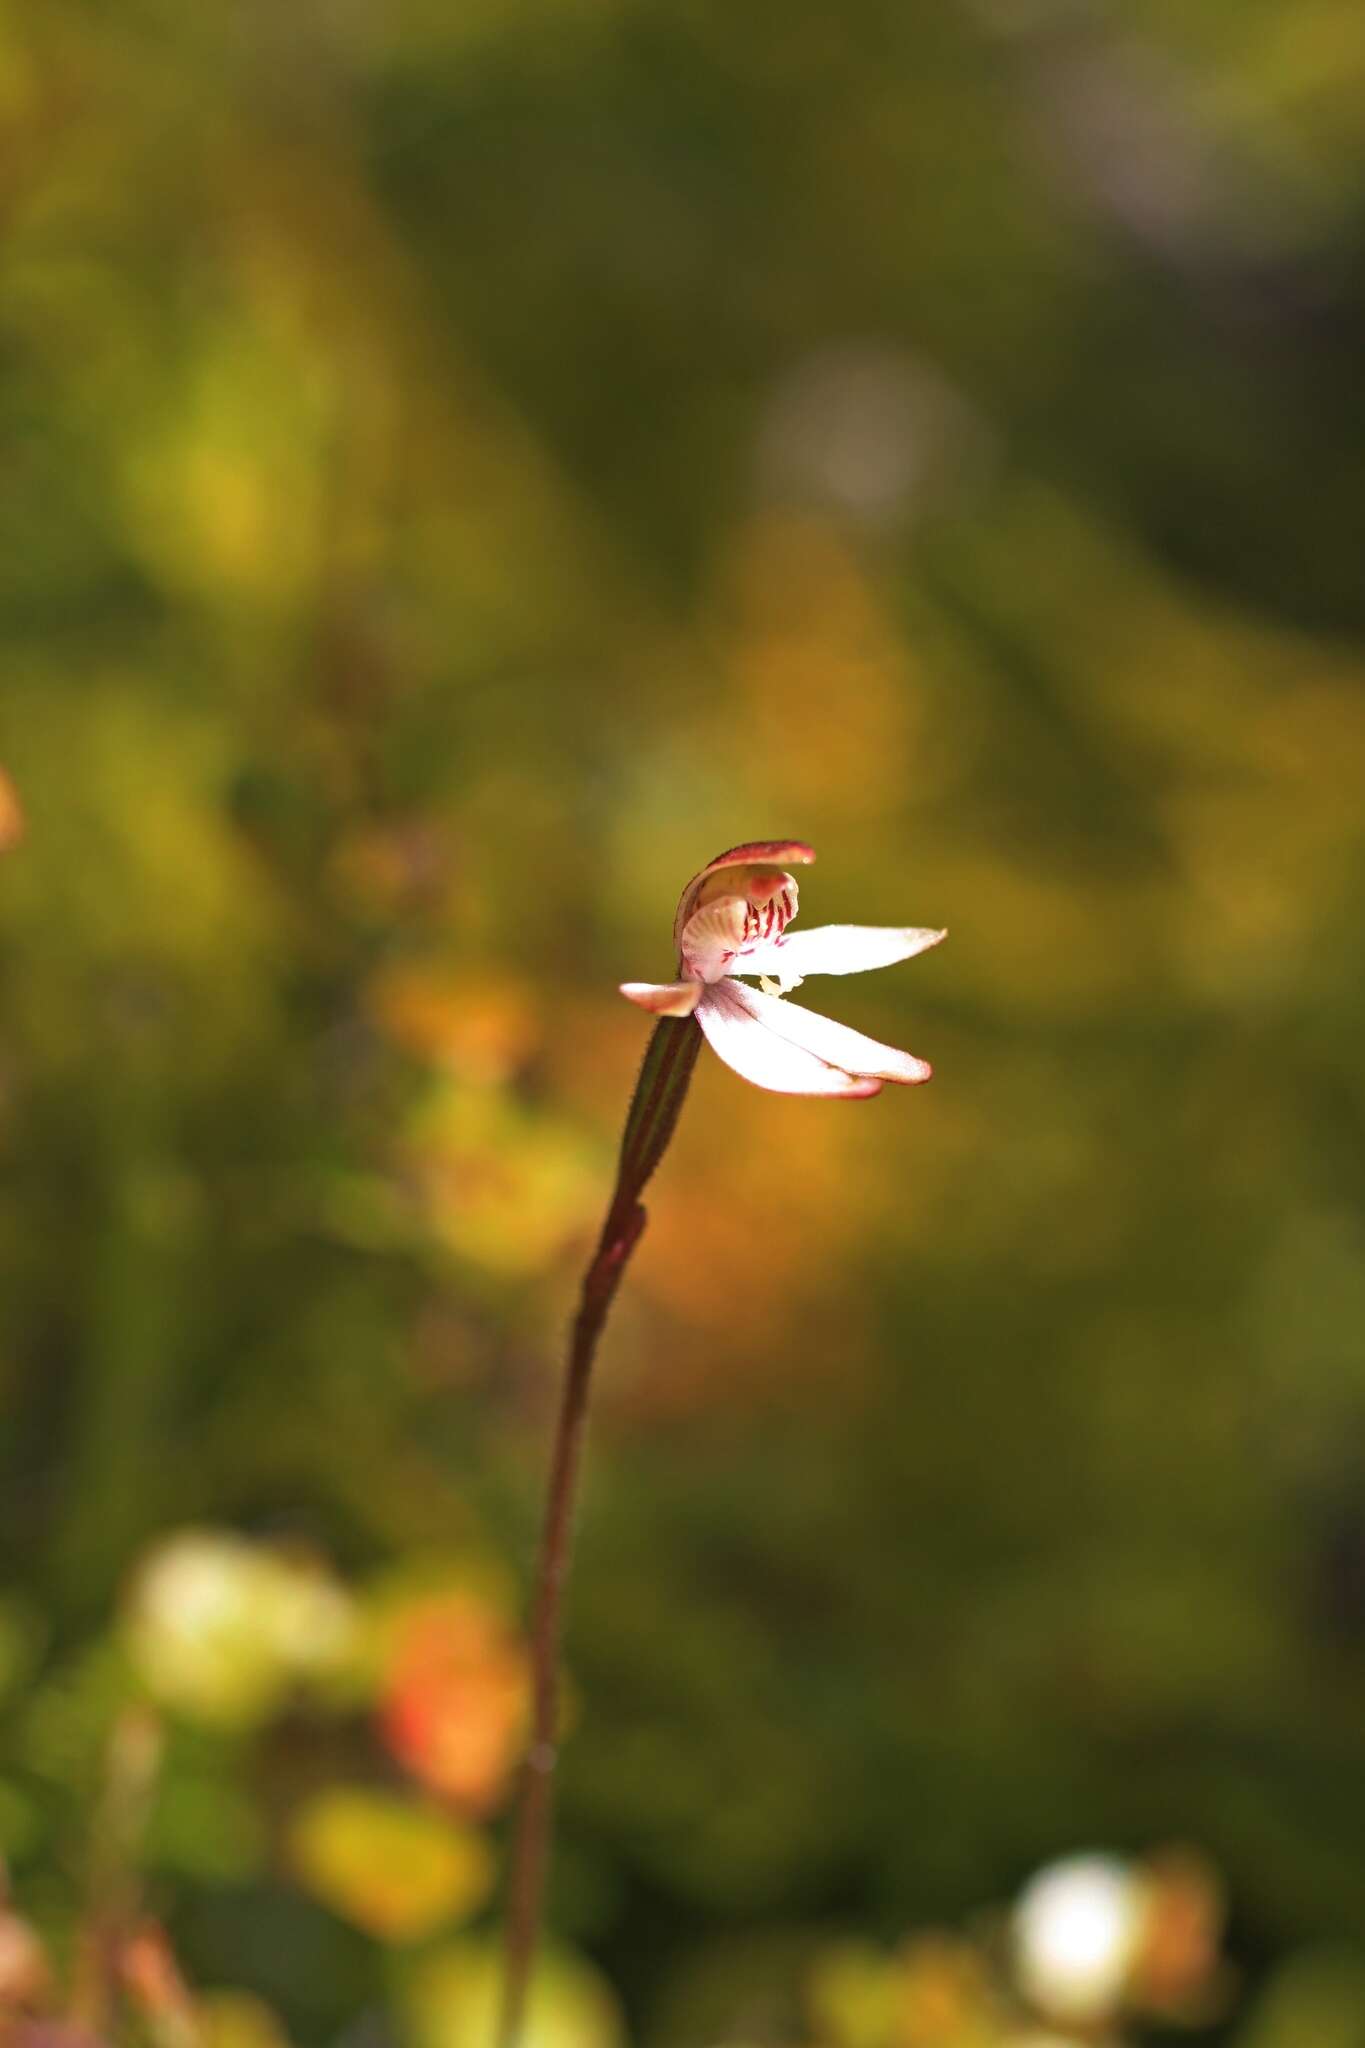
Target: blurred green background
(465, 465)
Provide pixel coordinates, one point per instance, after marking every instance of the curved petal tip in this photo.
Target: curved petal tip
(663, 998)
(777, 853)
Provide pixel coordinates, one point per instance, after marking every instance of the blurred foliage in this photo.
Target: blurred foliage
(464, 466)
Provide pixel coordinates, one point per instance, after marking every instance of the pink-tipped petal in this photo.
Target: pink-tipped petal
(664, 998)
(838, 949)
(776, 853)
(766, 1059)
(826, 1040)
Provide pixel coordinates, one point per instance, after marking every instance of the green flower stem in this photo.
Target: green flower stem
(653, 1115)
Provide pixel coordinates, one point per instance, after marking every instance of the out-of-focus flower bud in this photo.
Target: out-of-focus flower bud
(394, 1868)
(236, 2019)
(157, 1990)
(453, 2000)
(221, 1629)
(456, 1698)
(1076, 1931)
(943, 1996)
(1177, 1971)
(25, 1974)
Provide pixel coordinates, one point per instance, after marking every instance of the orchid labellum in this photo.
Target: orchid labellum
(732, 920)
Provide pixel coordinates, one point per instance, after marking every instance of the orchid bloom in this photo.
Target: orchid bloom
(732, 920)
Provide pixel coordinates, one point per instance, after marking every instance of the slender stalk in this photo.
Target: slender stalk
(654, 1108)
(132, 1768)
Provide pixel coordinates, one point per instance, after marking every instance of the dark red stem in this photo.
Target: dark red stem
(658, 1097)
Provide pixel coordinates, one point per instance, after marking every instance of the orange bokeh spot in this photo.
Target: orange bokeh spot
(454, 1708)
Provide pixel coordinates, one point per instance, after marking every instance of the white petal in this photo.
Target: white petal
(765, 1059)
(836, 949)
(827, 1040)
(664, 998)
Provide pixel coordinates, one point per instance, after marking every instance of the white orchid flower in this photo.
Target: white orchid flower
(732, 920)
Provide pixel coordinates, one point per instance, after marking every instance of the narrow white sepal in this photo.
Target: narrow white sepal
(764, 1057)
(836, 949)
(828, 1040)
